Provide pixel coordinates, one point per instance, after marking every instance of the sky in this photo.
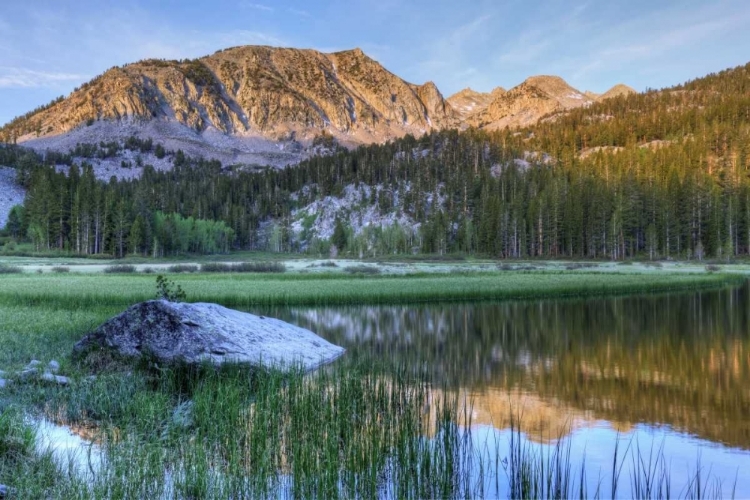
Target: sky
(49, 47)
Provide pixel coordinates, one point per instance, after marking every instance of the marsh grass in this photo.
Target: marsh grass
(120, 269)
(639, 472)
(76, 291)
(356, 430)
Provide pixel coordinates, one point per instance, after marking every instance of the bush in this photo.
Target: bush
(362, 270)
(168, 290)
(120, 269)
(216, 267)
(259, 267)
(183, 268)
(712, 268)
(329, 263)
(6, 269)
(244, 267)
(60, 269)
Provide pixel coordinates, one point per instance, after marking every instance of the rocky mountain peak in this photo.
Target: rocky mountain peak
(618, 90)
(257, 90)
(526, 103)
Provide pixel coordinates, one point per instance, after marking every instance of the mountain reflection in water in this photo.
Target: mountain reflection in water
(680, 360)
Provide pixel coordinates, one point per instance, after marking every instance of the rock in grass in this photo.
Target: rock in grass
(4, 383)
(34, 363)
(4, 491)
(55, 379)
(53, 366)
(194, 334)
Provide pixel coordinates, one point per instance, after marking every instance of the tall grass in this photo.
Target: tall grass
(238, 290)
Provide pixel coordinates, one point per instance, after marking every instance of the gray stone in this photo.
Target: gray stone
(199, 333)
(53, 366)
(55, 379)
(33, 364)
(6, 490)
(4, 383)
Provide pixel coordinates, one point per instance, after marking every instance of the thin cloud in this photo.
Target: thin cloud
(256, 6)
(28, 78)
(298, 12)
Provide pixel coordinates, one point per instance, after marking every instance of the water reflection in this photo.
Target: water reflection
(681, 360)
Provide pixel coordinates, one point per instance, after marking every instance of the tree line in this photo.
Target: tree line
(658, 175)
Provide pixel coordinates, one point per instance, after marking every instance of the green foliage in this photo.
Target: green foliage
(8, 269)
(168, 290)
(339, 235)
(243, 267)
(120, 269)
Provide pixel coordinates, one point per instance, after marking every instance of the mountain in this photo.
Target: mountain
(256, 105)
(617, 91)
(246, 92)
(526, 103)
(468, 102)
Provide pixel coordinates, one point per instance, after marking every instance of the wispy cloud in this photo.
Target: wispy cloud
(298, 12)
(27, 78)
(256, 6)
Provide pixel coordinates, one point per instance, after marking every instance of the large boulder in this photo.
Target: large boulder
(198, 333)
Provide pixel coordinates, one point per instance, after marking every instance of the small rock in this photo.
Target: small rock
(5, 491)
(53, 366)
(33, 364)
(4, 383)
(28, 373)
(57, 379)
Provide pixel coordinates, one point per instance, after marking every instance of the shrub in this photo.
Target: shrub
(362, 270)
(60, 269)
(259, 267)
(216, 267)
(6, 269)
(168, 290)
(120, 269)
(243, 267)
(712, 268)
(183, 268)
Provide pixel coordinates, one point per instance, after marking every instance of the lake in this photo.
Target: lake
(666, 377)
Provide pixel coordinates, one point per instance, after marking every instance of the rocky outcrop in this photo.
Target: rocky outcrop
(526, 103)
(468, 102)
(208, 333)
(273, 92)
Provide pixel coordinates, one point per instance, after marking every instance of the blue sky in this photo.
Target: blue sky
(48, 47)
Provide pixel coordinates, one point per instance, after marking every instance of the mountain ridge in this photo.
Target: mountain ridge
(237, 98)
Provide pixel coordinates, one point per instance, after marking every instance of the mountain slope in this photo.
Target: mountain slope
(526, 103)
(617, 91)
(262, 91)
(468, 102)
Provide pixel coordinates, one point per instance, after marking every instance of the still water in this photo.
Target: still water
(667, 375)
